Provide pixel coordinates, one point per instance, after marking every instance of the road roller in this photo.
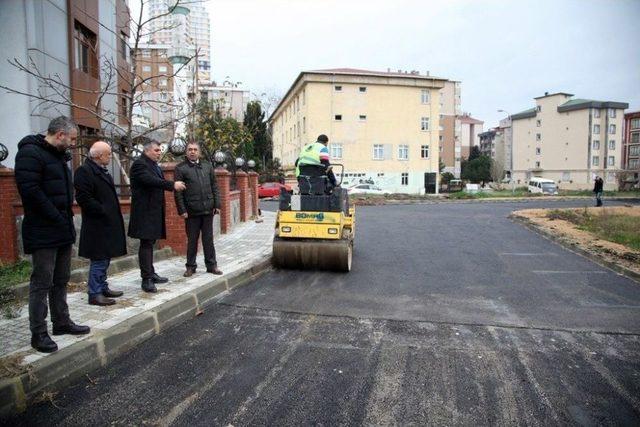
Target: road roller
(314, 230)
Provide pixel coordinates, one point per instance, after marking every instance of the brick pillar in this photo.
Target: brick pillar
(176, 233)
(8, 231)
(253, 190)
(223, 179)
(242, 180)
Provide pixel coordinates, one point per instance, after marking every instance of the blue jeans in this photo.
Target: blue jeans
(98, 276)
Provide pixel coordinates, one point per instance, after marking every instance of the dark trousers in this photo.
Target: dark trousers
(598, 198)
(196, 225)
(51, 270)
(97, 276)
(145, 258)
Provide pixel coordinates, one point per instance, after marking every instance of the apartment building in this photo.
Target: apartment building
(450, 126)
(495, 143)
(470, 129)
(89, 36)
(631, 148)
(383, 126)
(568, 140)
(231, 100)
(162, 31)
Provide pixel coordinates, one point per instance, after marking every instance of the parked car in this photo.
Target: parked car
(542, 185)
(365, 189)
(272, 189)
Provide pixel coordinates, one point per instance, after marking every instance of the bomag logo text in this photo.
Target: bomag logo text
(316, 216)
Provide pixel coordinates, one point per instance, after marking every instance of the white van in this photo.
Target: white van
(542, 185)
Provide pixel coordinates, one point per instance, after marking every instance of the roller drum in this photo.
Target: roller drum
(313, 254)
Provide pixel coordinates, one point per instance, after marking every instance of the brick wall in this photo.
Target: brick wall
(8, 232)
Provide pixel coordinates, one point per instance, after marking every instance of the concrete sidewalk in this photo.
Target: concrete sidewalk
(137, 316)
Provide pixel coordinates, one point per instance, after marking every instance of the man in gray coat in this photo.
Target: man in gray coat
(197, 205)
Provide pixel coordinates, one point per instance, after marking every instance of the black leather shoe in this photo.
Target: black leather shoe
(100, 299)
(43, 343)
(110, 293)
(148, 286)
(159, 279)
(214, 270)
(71, 329)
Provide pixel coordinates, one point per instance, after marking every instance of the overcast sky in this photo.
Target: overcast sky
(505, 52)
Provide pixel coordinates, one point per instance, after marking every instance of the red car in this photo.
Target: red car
(271, 189)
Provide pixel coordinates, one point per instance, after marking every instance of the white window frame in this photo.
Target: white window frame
(538, 151)
(595, 145)
(612, 129)
(596, 129)
(404, 178)
(425, 96)
(403, 152)
(612, 144)
(146, 68)
(162, 68)
(378, 151)
(162, 83)
(595, 161)
(424, 149)
(336, 150)
(611, 161)
(612, 113)
(424, 124)
(596, 113)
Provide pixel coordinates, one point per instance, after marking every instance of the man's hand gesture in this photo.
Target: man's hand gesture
(179, 186)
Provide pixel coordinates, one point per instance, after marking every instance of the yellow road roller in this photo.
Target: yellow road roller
(314, 231)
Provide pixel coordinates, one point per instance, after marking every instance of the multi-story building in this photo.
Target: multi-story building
(232, 101)
(383, 126)
(469, 131)
(631, 148)
(162, 31)
(568, 140)
(487, 142)
(450, 126)
(90, 38)
(505, 145)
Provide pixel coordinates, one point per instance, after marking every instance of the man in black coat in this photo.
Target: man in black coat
(598, 187)
(147, 209)
(197, 205)
(102, 233)
(46, 189)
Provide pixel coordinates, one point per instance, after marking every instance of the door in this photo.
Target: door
(430, 181)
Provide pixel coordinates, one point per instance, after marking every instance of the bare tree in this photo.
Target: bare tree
(497, 172)
(117, 120)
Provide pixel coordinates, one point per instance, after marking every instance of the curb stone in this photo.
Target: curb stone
(573, 248)
(69, 364)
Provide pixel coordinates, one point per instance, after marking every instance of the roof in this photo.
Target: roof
(470, 120)
(547, 94)
(352, 72)
(531, 112)
(579, 104)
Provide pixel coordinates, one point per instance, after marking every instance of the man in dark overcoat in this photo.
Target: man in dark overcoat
(102, 234)
(147, 220)
(45, 185)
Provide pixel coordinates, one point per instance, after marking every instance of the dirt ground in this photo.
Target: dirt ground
(569, 234)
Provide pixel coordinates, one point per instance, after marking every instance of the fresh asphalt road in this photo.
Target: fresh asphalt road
(452, 314)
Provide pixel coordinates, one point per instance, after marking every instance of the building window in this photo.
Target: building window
(336, 151)
(362, 117)
(124, 48)
(612, 160)
(146, 53)
(596, 129)
(441, 138)
(635, 138)
(538, 108)
(595, 161)
(424, 151)
(338, 117)
(424, 123)
(612, 129)
(378, 152)
(538, 123)
(612, 145)
(634, 163)
(538, 151)
(596, 113)
(635, 123)
(162, 68)
(566, 176)
(304, 97)
(612, 113)
(304, 125)
(403, 152)
(163, 83)
(538, 137)
(146, 68)
(337, 88)
(634, 150)
(362, 89)
(164, 96)
(538, 165)
(404, 178)
(86, 58)
(424, 96)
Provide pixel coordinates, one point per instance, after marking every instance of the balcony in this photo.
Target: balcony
(180, 55)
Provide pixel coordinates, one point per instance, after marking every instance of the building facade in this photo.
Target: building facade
(450, 127)
(631, 148)
(232, 101)
(382, 126)
(470, 129)
(198, 29)
(569, 141)
(76, 41)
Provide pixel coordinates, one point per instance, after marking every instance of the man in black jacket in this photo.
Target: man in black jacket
(197, 205)
(146, 221)
(46, 189)
(102, 233)
(597, 189)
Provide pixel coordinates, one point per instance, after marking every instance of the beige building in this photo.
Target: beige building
(568, 140)
(470, 129)
(231, 100)
(450, 126)
(383, 126)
